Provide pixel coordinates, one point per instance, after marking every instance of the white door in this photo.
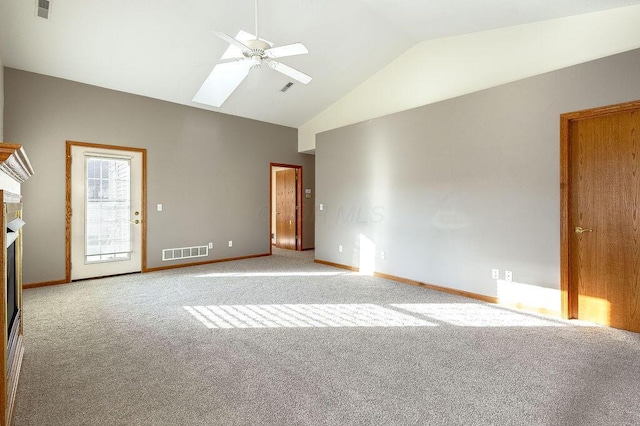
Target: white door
(106, 206)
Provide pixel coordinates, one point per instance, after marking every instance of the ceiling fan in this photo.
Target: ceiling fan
(246, 52)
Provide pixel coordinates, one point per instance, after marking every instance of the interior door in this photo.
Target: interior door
(286, 202)
(604, 219)
(106, 212)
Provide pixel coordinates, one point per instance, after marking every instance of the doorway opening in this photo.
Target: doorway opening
(285, 211)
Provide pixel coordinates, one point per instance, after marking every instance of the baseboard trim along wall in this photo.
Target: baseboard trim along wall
(470, 295)
(476, 296)
(415, 283)
(44, 284)
(160, 268)
(336, 265)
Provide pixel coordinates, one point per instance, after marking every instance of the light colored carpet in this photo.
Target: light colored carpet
(282, 341)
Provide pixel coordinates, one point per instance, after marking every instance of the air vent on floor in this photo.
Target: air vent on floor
(42, 8)
(286, 87)
(184, 253)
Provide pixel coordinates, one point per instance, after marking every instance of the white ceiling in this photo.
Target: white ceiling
(164, 49)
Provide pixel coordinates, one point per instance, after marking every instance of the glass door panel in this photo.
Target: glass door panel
(108, 234)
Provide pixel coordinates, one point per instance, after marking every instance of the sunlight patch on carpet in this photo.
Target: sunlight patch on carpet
(476, 315)
(302, 315)
(273, 274)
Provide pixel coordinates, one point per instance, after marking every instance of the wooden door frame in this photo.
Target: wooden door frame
(569, 296)
(143, 212)
(298, 197)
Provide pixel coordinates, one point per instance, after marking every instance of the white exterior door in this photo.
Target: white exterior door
(106, 206)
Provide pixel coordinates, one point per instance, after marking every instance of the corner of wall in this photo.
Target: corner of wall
(454, 66)
(306, 139)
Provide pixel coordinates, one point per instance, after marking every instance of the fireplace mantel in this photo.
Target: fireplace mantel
(15, 168)
(15, 165)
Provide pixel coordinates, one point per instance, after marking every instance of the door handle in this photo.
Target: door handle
(581, 230)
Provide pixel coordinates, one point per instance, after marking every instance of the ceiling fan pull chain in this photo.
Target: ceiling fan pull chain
(256, 2)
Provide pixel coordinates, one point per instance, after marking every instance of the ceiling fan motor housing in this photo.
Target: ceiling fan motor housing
(257, 48)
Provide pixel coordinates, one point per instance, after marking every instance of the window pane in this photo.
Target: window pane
(93, 189)
(108, 209)
(93, 170)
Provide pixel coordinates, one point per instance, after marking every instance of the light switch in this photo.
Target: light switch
(321, 207)
(159, 207)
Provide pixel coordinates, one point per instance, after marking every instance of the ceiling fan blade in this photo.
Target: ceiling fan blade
(222, 81)
(237, 43)
(288, 50)
(290, 72)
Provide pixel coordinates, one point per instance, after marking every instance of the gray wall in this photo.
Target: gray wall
(209, 170)
(453, 189)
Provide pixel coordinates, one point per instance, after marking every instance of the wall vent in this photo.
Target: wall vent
(184, 253)
(286, 87)
(42, 8)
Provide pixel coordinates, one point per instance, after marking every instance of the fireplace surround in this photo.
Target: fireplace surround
(14, 170)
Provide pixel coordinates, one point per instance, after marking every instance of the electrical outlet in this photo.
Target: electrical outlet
(383, 255)
(210, 245)
(340, 249)
(508, 276)
(230, 243)
(495, 274)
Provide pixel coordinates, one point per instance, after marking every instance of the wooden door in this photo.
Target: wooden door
(603, 228)
(286, 202)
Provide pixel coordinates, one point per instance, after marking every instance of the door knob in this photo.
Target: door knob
(580, 230)
(135, 221)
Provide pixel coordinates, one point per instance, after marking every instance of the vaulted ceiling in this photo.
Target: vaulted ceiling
(164, 49)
